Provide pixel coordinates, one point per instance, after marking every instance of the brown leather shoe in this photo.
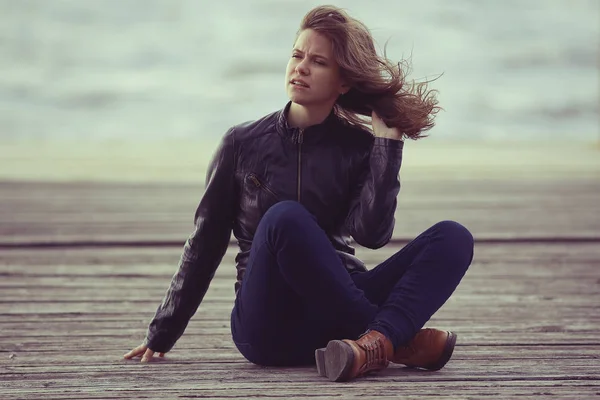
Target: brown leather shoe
(430, 349)
(343, 360)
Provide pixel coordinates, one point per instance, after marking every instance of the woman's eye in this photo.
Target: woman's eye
(319, 62)
(295, 56)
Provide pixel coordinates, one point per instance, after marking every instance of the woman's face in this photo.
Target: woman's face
(313, 76)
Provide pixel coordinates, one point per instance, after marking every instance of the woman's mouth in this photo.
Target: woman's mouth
(299, 83)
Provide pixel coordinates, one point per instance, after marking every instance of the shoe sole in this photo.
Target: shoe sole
(320, 359)
(446, 354)
(335, 361)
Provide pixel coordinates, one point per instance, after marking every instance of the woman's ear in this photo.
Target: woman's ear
(344, 88)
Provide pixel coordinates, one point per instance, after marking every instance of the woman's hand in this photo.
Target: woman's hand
(143, 351)
(380, 129)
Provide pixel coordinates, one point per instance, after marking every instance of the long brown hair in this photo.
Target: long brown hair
(376, 83)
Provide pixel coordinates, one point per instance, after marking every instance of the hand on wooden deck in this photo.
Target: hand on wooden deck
(142, 350)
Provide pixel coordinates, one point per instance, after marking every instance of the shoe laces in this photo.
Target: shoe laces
(375, 355)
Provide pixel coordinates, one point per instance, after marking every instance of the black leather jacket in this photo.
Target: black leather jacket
(342, 174)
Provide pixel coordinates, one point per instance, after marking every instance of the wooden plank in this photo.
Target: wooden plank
(241, 374)
(370, 389)
(465, 351)
(527, 260)
(50, 212)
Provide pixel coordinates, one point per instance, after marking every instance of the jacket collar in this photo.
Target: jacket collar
(311, 134)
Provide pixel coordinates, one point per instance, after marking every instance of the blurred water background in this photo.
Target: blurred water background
(189, 69)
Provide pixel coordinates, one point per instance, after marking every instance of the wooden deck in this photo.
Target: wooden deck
(83, 266)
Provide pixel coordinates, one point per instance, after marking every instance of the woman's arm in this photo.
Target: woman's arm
(203, 251)
(371, 219)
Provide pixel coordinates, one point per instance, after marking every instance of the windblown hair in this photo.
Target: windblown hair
(375, 82)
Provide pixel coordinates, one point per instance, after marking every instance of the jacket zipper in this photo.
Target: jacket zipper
(300, 140)
(261, 185)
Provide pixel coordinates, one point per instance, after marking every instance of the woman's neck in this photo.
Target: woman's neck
(302, 117)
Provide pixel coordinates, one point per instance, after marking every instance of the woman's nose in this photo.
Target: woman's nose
(302, 68)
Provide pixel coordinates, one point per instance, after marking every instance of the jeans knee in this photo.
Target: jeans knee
(460, 238)
(285, 214)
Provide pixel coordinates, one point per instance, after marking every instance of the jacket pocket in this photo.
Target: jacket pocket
(256, 181)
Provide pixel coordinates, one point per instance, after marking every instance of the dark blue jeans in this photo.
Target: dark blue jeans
(297, 295)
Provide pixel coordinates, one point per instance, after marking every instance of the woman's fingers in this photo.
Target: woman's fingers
(147, 355)
(380, 128)
(136, 352)
(143, 351)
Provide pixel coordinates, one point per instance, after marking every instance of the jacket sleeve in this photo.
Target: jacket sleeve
(371, 219)
(202, 253)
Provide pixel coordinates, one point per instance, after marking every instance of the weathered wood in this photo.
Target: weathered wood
(201, 351)
(526, 316)
(370, 388)
(75, 212)
(409, 391)
(531, 369)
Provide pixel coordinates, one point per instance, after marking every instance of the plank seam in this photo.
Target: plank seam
(178, 244)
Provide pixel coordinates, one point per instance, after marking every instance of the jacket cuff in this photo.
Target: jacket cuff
(389, 143)
(157, 345)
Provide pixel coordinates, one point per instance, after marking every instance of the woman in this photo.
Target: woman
(294, 186)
